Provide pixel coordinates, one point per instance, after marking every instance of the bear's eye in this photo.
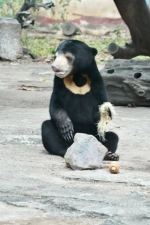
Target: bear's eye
(69, 58)
(53, 57)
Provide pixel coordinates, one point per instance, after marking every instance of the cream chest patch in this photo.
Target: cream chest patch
(70, 85)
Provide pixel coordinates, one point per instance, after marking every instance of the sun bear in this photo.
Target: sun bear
(78, 101)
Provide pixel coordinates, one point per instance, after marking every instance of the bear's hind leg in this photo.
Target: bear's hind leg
(52, 140)
(111, 143)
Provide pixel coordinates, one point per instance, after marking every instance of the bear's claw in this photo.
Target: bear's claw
(111, 156)
(67, 131)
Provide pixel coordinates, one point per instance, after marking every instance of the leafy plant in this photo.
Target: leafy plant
(10, 7)
(117, 31)
(56, 26)
(61, 6)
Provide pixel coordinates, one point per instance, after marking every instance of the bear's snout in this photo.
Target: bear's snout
(55, 68)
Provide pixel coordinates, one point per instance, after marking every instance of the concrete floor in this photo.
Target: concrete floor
(37, 189)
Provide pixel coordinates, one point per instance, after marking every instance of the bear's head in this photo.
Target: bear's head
(72, 57)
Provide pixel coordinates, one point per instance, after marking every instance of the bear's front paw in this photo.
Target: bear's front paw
(111, 156)
(66, 130)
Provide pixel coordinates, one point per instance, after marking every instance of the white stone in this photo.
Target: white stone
(85, 153)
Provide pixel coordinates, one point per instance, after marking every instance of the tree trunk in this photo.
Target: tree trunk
(127, 82)
(136, 15)
(69, 28)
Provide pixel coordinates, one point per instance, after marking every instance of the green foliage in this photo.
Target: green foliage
(117, 31)
(40, 47)
(10, 7)
(62, 6)
(1, 3)
(56, 26)
(47, 46)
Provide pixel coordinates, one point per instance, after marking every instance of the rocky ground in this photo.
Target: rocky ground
(38, 189)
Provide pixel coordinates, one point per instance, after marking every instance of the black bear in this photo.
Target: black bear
(75, 105)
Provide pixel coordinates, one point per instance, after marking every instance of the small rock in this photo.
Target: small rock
(85, 153)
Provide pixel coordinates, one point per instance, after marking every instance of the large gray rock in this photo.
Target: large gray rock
(85, 153)
(10, 39)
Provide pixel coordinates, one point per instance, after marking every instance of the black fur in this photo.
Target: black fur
(74, 113)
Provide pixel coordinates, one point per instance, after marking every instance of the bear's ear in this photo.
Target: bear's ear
(94, 51)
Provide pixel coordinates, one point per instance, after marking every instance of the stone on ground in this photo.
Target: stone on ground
(85, 153)
(10, 39)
